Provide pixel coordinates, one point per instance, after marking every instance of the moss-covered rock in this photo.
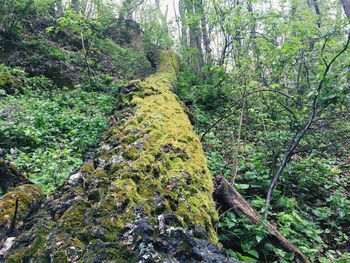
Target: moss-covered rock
(10, 83)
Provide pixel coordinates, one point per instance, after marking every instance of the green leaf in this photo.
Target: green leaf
(245, 258)
(242, 186)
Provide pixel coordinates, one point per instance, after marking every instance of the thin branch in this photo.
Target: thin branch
(234, 104)
(300, 134)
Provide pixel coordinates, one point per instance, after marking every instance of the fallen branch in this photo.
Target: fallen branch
(230, 198)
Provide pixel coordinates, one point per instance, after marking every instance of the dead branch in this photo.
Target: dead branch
(226, 195)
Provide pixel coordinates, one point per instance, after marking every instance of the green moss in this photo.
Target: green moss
(116, 167)
(170, 149)
(109, 254)
(34, 249)
(29, 198)
(163, 169)
(73, 219)
(122, 199)
(10, 83)
(67, 250)
(87, 168)
(99, 174)
(79, 191)
(130, 152)
(129, 139)
(6, 79)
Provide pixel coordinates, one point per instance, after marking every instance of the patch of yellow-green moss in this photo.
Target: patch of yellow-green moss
(123, 199)
(73, 219)
(28, 197)
(10, 83)
(130, 152)
(150, 163)
(6, 79)
(87, 168)
(66, 250)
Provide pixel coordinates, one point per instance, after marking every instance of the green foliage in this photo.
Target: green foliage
(309, 206)
(78, 23)
(156, 30)
(14, 13)
(265, 67)
(46, 131)
(43, 129)
(268, 73)
(11, 13)
(128, 62)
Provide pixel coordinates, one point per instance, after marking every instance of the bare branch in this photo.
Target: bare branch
(228, 112)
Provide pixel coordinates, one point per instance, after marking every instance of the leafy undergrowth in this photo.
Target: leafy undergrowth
(311, 208)
(310, 205)
(46, 131)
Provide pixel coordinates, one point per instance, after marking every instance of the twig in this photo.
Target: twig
(234, 103)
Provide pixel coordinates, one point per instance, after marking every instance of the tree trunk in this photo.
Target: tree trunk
(207, 59)
(346, 7)
(195, 35)
(144, 196)
(183, 37)
(75, 5)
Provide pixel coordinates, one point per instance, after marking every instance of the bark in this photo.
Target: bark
(195, 35)
(207, 59)
(59, 8)
(318, 12)
(75, 5)
(228, 196)
(206, 40)
(346, 7)
(144, 196)
(182, 12)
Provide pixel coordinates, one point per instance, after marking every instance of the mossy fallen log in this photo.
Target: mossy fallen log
(144, 196)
